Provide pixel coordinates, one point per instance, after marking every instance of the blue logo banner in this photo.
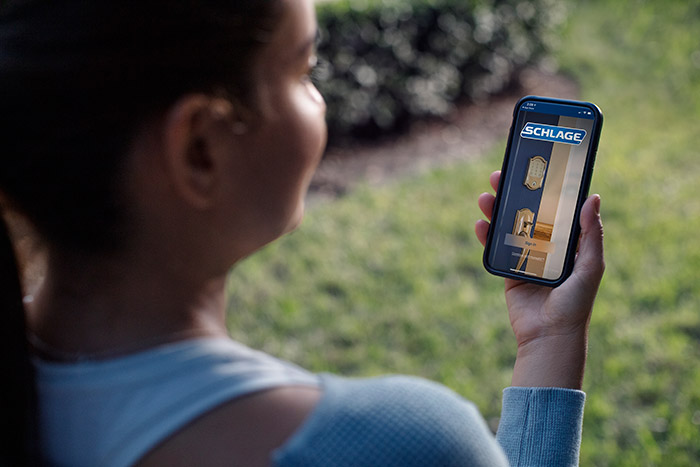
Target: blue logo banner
(554, 134)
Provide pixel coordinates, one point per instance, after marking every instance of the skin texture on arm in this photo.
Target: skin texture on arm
(551, 325)
(271, 417)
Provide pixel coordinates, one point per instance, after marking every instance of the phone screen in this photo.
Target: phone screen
(547, 169)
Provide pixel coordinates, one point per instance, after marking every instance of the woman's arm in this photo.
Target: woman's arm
(543, 412)
(551, 324)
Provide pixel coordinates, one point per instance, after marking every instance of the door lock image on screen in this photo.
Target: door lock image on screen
(545, 177)
(535, 173)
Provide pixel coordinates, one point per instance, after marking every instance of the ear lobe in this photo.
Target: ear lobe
(191, 146)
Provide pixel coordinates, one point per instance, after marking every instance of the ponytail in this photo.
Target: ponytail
(18, 446)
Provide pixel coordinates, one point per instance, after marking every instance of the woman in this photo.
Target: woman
(153, 145)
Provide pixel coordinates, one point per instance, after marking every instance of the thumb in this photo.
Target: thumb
(590, 263)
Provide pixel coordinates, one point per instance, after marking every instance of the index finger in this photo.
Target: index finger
(494, 178)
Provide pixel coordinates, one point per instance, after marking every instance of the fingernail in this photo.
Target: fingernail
(596, 204)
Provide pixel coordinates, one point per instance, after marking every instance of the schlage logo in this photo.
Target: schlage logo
(554, 134)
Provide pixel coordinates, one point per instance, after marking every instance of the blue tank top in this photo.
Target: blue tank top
(113, 412)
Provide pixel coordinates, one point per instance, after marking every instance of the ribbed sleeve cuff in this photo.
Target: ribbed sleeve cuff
(541, 426)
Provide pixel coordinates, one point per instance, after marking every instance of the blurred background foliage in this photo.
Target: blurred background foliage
(384, 63)
(389, 279)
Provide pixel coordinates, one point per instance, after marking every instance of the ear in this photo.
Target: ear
(196, 135)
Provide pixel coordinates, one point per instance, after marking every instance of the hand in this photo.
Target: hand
(551, 325)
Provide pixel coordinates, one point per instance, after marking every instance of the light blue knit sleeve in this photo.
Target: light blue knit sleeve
(411, 422)
(541, 426)
(391, 421)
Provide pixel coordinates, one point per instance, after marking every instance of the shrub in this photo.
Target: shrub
(384, 63)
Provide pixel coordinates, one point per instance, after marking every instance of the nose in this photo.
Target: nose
(318, 98)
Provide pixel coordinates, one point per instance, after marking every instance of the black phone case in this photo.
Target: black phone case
(582, 195)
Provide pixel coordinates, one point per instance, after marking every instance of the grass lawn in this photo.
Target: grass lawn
(389, 280)
(640, 61)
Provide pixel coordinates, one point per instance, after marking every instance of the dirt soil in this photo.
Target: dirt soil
(467, 134)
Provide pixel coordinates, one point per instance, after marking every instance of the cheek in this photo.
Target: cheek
(292, 143)
(300, 137)
(311, 111)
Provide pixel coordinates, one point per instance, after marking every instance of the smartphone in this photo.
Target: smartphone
(545, 177)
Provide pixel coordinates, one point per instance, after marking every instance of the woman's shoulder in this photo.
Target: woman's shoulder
(241, 432)
(140, 401)
(391, 420)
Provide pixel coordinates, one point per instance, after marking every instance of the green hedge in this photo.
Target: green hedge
(384, 63)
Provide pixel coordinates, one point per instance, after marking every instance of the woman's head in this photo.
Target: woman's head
(80, 78)
(84, 83)
(236, 177)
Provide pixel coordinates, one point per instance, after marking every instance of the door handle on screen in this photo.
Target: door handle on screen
(524, 220)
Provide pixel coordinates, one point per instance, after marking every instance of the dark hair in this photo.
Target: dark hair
(78, 78)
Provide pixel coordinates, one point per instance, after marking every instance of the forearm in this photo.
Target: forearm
(552, 361)
(542, 414)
